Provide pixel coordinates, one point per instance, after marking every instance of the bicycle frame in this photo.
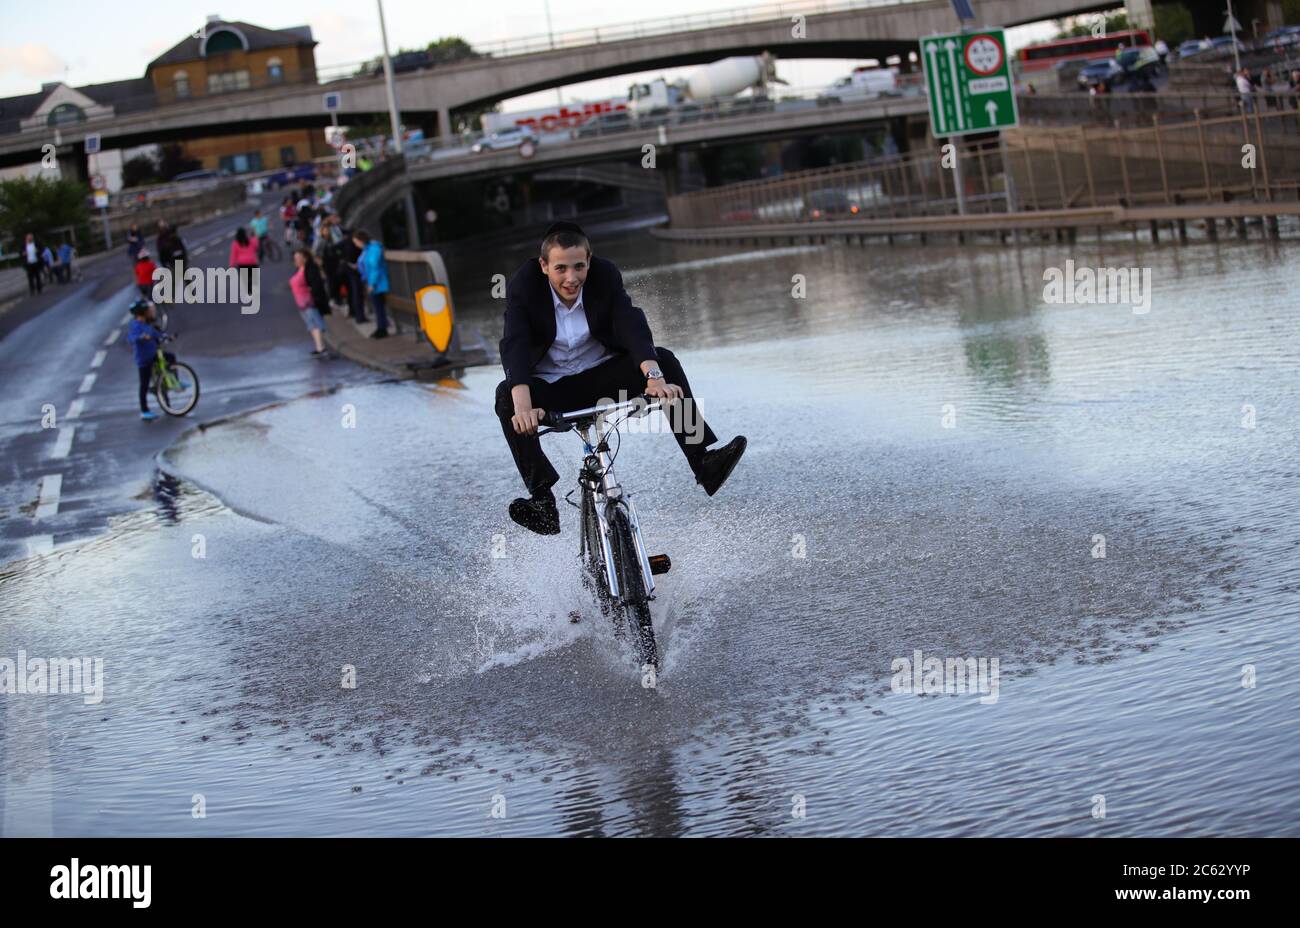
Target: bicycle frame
(596, 479)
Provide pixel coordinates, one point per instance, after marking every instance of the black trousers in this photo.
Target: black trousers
(146, 374)
(605, 381)
(34, 278)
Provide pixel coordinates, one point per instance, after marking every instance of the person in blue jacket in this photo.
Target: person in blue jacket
(374, 271)
(145, 338)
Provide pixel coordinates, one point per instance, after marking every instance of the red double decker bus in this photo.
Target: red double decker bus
(1045, 55)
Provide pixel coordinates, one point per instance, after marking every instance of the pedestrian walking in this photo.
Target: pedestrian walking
(302, 295)
(32, 264)
(243, 250)
(134, 241)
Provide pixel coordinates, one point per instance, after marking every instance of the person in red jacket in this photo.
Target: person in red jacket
(243, 250)
(144, 268)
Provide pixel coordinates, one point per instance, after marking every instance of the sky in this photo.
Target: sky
(83, 42)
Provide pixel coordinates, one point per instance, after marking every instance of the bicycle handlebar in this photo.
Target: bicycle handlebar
(564, 421)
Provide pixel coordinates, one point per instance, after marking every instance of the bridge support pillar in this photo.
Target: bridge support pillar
(72, 165)
(444, 123)
(1212, 230)
(1140, 14)
(666, 166)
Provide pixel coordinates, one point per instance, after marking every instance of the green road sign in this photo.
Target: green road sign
(968, 78)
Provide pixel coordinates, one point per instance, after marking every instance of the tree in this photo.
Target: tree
(1112, 22)
(40, 205)
(142, 169)
(453, 48)
(1174, 24)
(174, 160)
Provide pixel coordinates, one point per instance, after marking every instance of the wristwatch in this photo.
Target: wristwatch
(654, 374)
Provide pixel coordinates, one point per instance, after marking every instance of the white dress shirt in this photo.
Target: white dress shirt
(574, 350)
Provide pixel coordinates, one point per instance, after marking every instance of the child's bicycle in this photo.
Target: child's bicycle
(176, 385)
(270, 250)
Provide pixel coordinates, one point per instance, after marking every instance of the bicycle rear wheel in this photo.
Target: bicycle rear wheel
(178, 390)
(635, 606)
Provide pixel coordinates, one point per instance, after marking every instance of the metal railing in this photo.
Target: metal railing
(1042, 169)
(714, 19)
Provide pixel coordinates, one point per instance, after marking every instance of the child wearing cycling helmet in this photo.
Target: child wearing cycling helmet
(144, 268)
(145, 338)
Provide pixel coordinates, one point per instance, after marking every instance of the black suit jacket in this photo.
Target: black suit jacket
(530, 318)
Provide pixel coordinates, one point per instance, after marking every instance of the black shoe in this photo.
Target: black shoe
(538, 514)
(716, 465)
(379, 333)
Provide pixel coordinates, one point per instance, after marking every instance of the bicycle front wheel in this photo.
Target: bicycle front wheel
(635, 604)
(177, 389)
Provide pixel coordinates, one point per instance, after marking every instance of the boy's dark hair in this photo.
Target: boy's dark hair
(362, 236)
(564, 235)
(139, 308)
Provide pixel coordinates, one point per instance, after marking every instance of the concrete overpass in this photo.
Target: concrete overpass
(365, 198)
(864, 29)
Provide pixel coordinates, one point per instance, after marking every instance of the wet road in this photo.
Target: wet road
(934, 455)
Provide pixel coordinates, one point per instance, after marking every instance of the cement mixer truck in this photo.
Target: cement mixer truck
(715, 81)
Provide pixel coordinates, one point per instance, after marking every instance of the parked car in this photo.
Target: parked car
(1067, 72)
(404, 63)
(292, 175)
(200, 175)
(1221, 47)
(603, 124)
(1104, 74)
(828, 203)
(513, 137)
(1279, 39)
(1191, 48)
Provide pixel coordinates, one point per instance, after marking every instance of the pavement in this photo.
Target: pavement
(406, 354)
(75, 452)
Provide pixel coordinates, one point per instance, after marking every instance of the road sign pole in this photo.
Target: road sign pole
(958, 178)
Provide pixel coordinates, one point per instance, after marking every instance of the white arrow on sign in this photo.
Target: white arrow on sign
(992, 109)
(951, 47)
(932, 49)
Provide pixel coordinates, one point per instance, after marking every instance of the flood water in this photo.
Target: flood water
(935, 457)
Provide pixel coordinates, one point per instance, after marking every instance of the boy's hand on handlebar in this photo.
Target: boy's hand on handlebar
(663, 390)
(526, 421)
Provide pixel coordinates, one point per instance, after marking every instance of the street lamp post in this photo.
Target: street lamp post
(412, 224)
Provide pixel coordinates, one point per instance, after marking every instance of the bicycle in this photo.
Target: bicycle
(176, 385)
(612, 550)
(269, 249)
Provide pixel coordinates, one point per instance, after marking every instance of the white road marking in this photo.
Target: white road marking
(48, 505)
(63, 444)
(98, 359)
(113, 337)
(126, 319)
(74, 409)
(39, 545)
(86, 383)
(198, 251)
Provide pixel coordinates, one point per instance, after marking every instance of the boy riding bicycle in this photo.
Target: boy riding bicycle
(573, 337)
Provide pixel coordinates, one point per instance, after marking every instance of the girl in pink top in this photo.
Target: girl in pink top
(243, 250)
(311, 316)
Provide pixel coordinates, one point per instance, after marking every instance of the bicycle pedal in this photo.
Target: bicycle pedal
(660, 564)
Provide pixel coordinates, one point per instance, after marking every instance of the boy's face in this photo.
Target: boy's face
(566, 269)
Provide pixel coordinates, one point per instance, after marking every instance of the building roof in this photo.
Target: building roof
(188, 49)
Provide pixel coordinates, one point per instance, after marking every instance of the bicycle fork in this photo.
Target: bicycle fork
(598, 480)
